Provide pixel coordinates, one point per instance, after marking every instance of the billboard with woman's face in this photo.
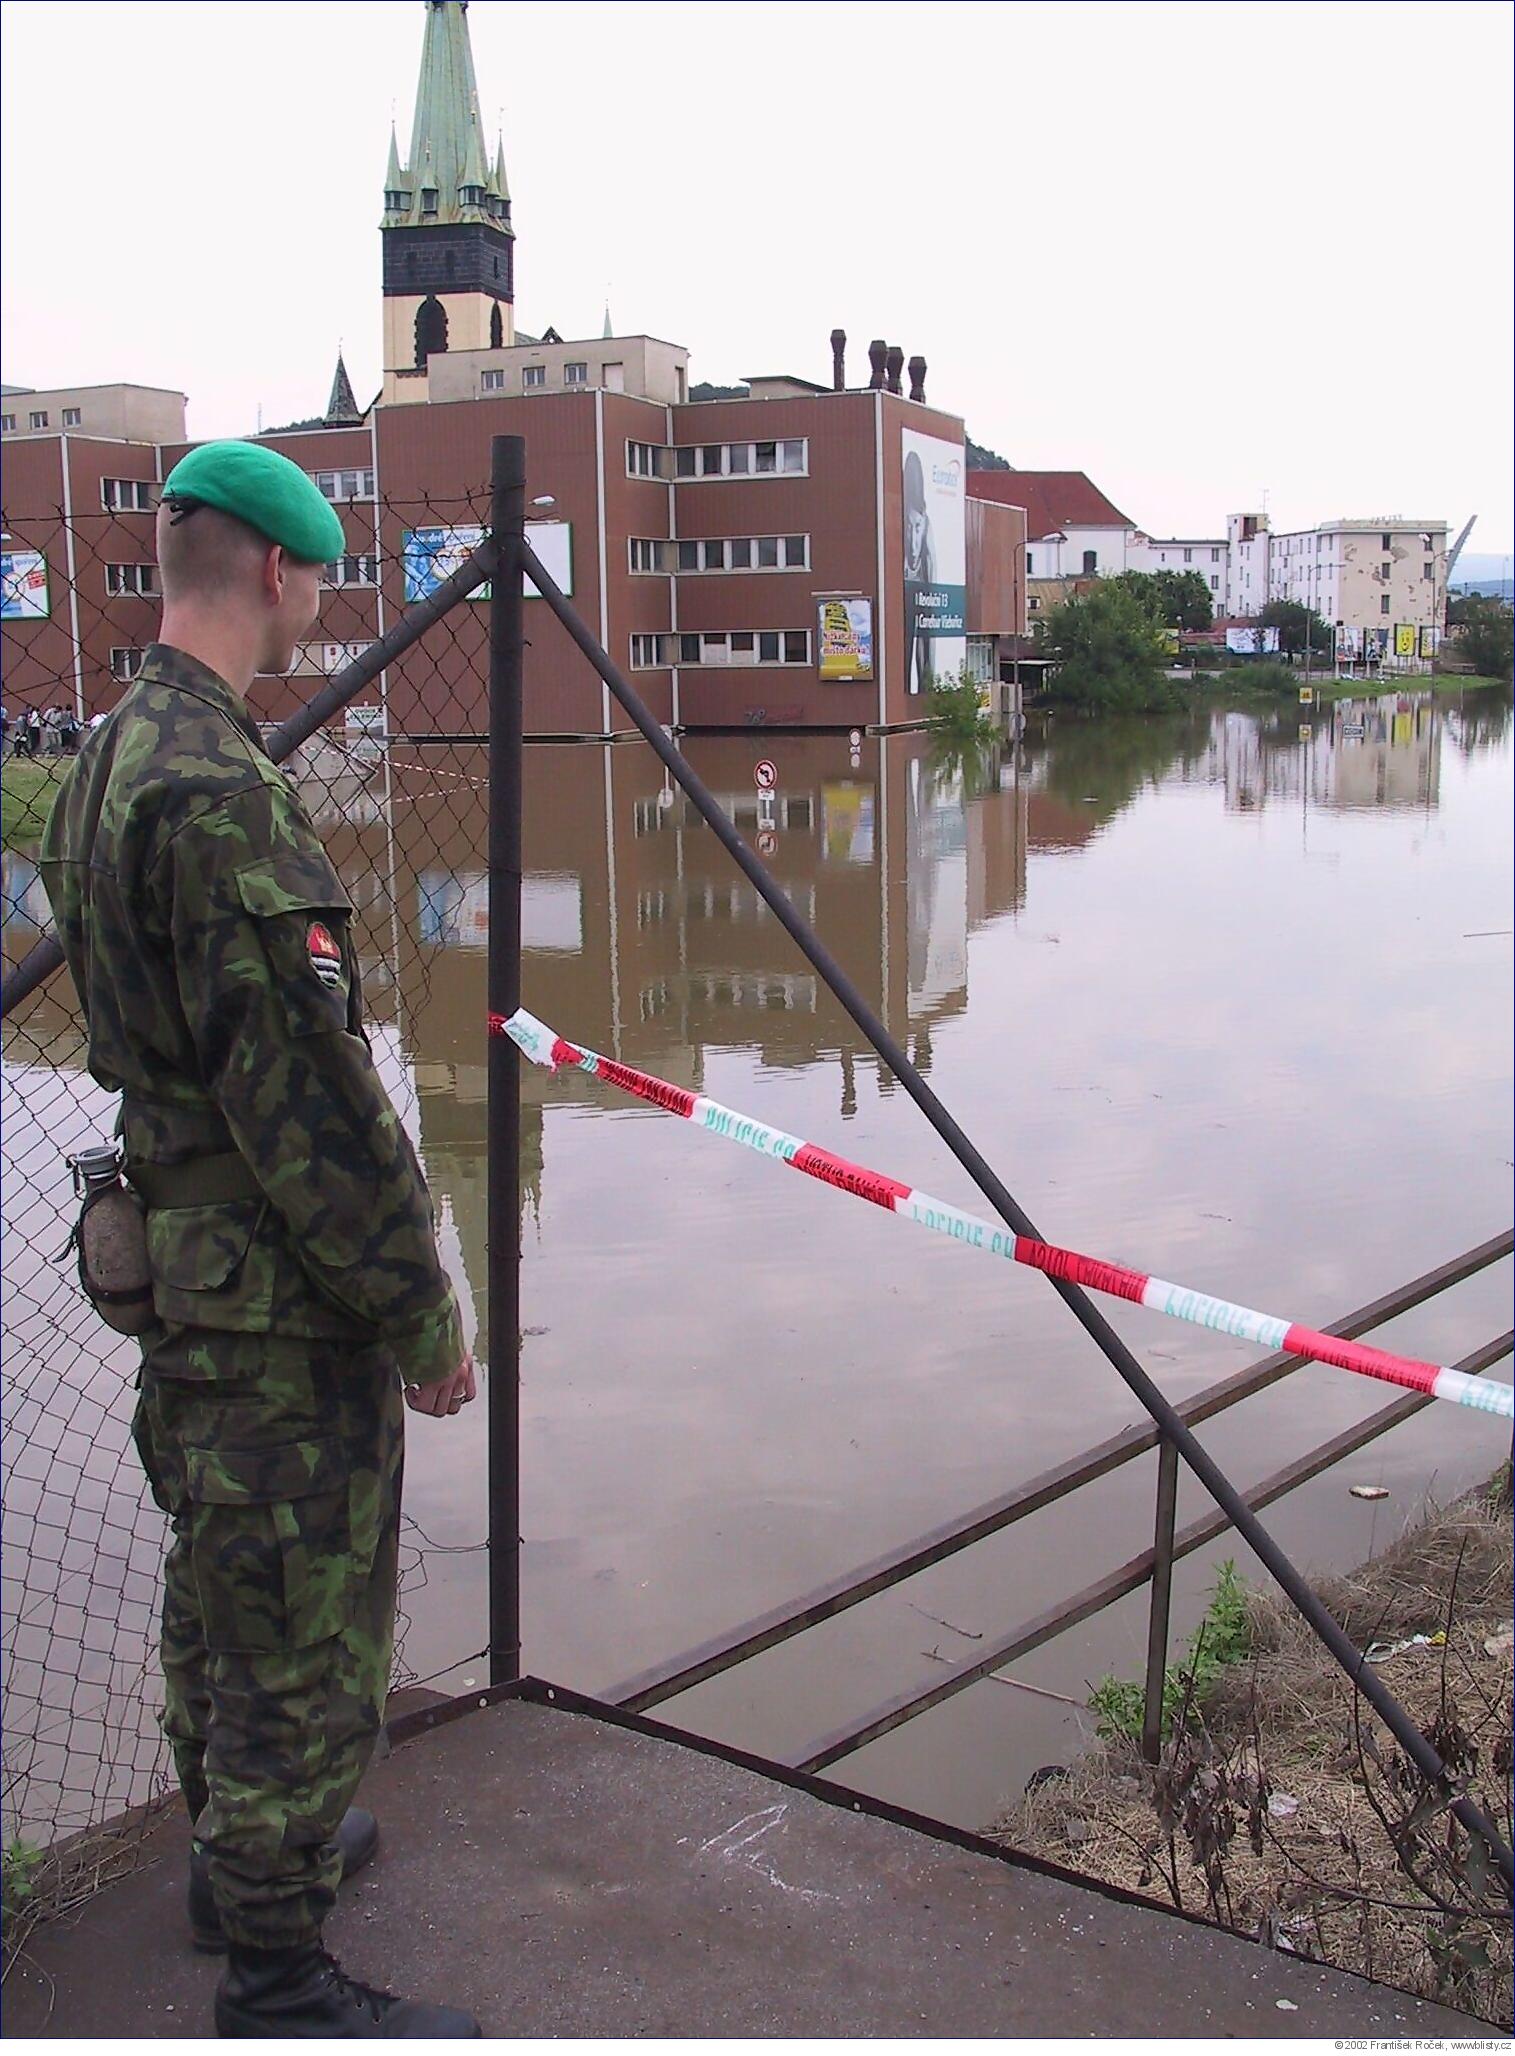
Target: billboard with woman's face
(936, 561)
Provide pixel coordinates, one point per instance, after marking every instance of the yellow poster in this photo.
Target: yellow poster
(1404, 639)
(1428, 642)
(846, 638)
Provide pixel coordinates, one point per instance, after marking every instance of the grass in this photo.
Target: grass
(26, 793)
(1223, 1637)
(1335, 1850)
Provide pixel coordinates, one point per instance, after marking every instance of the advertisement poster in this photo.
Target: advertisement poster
(1428, 642)
(936, 561)
(1404, 639)
(1349, 645)
(432, 555)
(846, 639)
(1375, 644)
(1252, 642)
(23, 586)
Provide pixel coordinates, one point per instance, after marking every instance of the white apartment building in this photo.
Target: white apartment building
(120, 413)
(1208, 555)
(1247, 538)
(1377, 574)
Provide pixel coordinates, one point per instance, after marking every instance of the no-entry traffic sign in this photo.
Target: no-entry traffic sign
(767, 842)
(765, 774)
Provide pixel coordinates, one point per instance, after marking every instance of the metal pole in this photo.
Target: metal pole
(1162, 1593)
(1294, 1585)
(506, 648)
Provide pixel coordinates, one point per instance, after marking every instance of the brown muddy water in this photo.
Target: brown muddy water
(1217, 999)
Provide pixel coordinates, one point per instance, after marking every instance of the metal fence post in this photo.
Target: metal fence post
(1162, 1594)
(508, 528)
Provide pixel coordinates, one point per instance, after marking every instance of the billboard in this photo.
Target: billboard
(1252, 642)
(1428, 642)
(23, 586)
(846, 639)
(936, 560)
(1349, 645)
(432, 555)
(1404, 638)
(1375, 644)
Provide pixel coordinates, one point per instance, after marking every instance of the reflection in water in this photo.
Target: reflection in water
(759, 1390)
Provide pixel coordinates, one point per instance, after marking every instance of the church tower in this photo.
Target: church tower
(449, 248)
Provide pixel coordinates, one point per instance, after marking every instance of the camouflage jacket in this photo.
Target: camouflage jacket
(210, 942)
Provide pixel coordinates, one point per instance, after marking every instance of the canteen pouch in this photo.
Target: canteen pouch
(110, 1241)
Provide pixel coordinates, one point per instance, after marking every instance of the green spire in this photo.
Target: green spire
(501, 183)
(445, 150)
(394, 178)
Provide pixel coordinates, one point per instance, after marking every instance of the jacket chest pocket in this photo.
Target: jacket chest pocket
(304, 923)
(272, 1545)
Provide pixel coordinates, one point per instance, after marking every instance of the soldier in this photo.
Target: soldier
(297, 1288)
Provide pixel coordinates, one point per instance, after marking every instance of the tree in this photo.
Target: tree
(1175, 599)
(1487, 639)
(1110, 651)
(981, 458)
(1299, 627)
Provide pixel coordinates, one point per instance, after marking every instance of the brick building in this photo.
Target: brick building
(751, 559)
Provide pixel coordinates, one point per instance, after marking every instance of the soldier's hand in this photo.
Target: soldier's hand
(447, 1395)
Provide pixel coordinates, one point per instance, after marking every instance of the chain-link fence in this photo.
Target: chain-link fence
(396, 785)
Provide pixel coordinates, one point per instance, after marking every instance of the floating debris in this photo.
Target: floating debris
(1369, 1491)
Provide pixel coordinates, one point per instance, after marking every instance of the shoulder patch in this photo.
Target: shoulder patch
(325, 957)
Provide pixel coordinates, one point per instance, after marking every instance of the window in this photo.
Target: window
(126, 662)
(745, 553)
(1428, 571)
(72, 417)
(39, 418)
(1033, 605)
(575, 374)
(741, 460)
(355, 570)
(980, 665)
(1386, 543)
(1383, 603)
(7, 424)
(642, 460)
(127, 495)
(1188, 556)
(533, 377)
(721, 648)
(1028, 563)
(1214, 583)
(1215, 557)
(492, 381)
(1091, 562)
(648, 554)
(131, 578)
(344, 485)
(429, 200)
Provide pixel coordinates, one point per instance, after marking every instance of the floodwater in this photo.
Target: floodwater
(1221, 997)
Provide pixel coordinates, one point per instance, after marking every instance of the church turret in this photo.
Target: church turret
(342, 410)
(449, 272)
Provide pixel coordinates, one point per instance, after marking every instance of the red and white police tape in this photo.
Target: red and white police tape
(547, 1048)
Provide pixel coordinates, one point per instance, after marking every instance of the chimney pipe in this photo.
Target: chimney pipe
(896, 364)
(877, 351)
(917, 368)
(838, 354)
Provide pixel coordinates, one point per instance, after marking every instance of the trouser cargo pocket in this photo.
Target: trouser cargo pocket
(272, 1544)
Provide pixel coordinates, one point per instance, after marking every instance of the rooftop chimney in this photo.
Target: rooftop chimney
(917, 369)
(896, 364)
(877, 351)
(838, 355)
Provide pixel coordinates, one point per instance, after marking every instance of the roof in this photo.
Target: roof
(1052, 499)
(447, 149)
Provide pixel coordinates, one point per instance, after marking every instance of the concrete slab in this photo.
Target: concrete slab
(566, 1876)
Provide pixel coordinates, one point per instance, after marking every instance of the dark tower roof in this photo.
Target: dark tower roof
(342, 410)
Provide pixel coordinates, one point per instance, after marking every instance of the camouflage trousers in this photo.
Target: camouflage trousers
(278, 1463)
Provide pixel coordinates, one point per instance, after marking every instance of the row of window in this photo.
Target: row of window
(732, 647)
(781, 458)
(128, 495)
(357, 484)
(534, 377)
(37, 417)
(721, 553)
(353, 570)
(132, 578)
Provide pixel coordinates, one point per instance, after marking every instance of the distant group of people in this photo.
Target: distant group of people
(44, 732)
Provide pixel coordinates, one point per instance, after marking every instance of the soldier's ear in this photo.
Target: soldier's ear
(275, 572)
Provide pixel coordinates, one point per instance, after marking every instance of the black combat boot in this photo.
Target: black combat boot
(357, 1838)
(303, 1994)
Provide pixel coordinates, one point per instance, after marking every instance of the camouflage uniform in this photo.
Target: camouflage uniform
(296, 1280)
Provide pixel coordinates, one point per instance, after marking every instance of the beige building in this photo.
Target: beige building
(641, 365)
(123, 413)
(1367, 576)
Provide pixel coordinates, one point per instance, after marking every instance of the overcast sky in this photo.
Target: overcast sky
(1202, 252)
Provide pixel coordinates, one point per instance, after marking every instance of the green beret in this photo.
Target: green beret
(263, 489)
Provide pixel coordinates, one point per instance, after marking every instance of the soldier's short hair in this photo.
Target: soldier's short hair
(208, 556)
